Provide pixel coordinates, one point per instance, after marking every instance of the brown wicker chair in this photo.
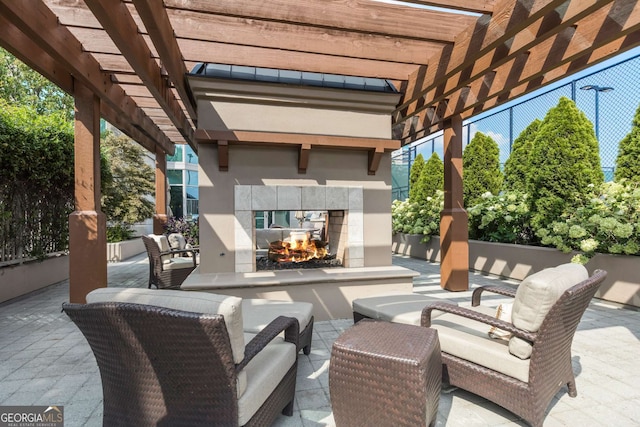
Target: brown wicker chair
(166, 272)
(168, 367)
(549, 366)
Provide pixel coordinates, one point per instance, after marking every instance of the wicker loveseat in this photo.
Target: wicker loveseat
(183, 359)
(521, 373)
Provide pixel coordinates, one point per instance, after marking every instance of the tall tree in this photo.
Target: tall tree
(564, 161)
(628, 161)
(414, 176)
(431, 178)
(128, 181)
(517, 168)
(481, 168)
(20, 85)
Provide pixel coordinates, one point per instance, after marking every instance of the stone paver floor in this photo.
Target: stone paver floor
(46, 361)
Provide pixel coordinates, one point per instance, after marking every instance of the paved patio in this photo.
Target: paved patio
(46, 361)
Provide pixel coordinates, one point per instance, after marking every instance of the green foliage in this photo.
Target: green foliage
(414, 176)
(119, 232)
(481, 168)
(606, 223)
(517, 168)
(431, 179)
(20, 85)
(628, 161)
(36, 181)
(127, 181)
(564, 162)
(189, 229)
(502, 218)
(415, 218)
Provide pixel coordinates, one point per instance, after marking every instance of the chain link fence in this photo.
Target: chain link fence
(608, 97)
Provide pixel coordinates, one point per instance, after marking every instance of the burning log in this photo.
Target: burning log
(297, 250)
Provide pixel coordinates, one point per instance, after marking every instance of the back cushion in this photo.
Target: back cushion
(198, 302)
(163, 244)
(535, 297)
(177, 241)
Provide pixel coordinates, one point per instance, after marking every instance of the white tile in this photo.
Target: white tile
(244, 268)
(263, 198)
(289, 198)
(356, 199)
(242, 198)
(314, 198)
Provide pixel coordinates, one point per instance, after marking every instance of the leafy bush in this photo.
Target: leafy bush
(414, 218)
(607, 223)
(189, 229)
(502, 218)
(564, 161)
(119, 232)
(481, 166)
(431, 179)
(517, 168)
(414, 176)
(628, 161)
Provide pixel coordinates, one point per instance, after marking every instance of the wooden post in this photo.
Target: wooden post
(160, 217)
(87, 224)
(454, 229)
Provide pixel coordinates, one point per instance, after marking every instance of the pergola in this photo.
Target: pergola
(126, 61)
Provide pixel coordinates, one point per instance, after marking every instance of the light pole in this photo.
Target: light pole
(597, 89)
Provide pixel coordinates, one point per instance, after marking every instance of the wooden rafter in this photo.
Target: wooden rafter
(117, 21)
(40, 26)
(477, 6)
(356, 15)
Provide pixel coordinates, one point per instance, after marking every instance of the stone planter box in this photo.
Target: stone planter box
(20, 279)
(518, 261)
(120, 251)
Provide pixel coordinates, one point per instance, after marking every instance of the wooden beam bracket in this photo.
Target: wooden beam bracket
(303, 158)
(374, 160)
(223, 155)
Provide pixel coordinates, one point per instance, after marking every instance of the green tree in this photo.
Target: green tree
(565, 163)
(517, 168)
(481, 168)
(414, 176)
(628, 161)
(128, 181)
(20, 85)
(431, 178)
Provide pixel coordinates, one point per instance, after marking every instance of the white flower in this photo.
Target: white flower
(589, 245)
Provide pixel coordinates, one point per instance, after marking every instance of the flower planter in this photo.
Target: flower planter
(120, 251)
(20, 279)
(518, 261)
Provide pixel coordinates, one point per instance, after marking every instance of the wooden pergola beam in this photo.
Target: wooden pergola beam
(119, 24)
(36, 21)
(477, 6)
(356, 15)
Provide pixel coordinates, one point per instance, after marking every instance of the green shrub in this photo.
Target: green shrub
(431, 179)
(502, 218)
(119, 232)
(414, 176)
(414, 218)
(564, 162)
(481, 168)
(628, 161)
(517, 168)
(607, 223)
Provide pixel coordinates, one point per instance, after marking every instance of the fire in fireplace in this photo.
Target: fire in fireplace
(298, 251)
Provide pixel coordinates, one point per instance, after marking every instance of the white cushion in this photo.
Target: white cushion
(264, 373)
(177, 241)
(536, 295)
(163, 243)
(198, 302)
(397, 308)
(258, 313)
(468, 340)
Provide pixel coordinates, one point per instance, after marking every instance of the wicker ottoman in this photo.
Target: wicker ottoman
(385, 374)
(400, 308)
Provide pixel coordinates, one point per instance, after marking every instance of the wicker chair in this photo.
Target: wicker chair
(161, 366)
(489, 369)
(166, 272)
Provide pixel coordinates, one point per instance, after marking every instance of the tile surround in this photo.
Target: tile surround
(249, 198)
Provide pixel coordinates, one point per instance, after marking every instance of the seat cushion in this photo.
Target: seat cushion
(197, 302)
(264, 372)
(177, 263)
(468, 340)
(398, 308)
(536, 295)
(258, 313)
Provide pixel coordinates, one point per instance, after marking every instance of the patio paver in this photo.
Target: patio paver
(46, 361)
